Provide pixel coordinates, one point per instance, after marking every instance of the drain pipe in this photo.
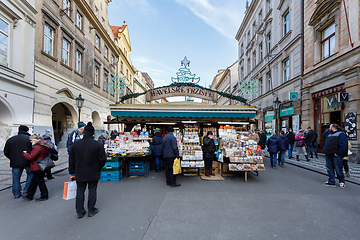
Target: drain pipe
(302, 55)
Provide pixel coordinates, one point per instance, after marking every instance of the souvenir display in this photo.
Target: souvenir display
(128, 144)
(190, 149)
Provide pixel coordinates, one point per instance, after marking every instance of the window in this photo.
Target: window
(260, 17)
(286, 70)
(254, 28)
(121, 66)
(254, 59)
(65, 58)
(268, 75)
(106, 74)
(78, 62)
(261, 51)
(242, 49)
(249, 37)
(260, 86)
(112, 59)
(96, 75)
(97, 41)
(268, 3)
(48, 40)
(96, 12)
(78, 20)
(269, 42)
(242, 73)
(328, 41)
(66, 7)
(103, 21)
(106, 52)
(4, 35)
(286, 23)
(249, 66)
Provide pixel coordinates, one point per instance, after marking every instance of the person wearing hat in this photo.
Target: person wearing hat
(75, 135)
(300, 145)
(170, 152)
(13, 150)
(157, 149)
(208, 153)
(86, 158)
(53, 152)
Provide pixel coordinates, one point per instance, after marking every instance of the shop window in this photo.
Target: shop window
(286, 70)
(4, 39)
(65, 56)
(328, 42)
(286, 22)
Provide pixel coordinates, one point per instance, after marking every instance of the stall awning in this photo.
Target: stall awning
(183, 111)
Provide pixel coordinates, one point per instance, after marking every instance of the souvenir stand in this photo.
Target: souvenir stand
(190, 122)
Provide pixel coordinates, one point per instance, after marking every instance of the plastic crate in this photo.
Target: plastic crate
(138, 166)
(110, 173)
(110, 179)
(112, 159)
(111, 166)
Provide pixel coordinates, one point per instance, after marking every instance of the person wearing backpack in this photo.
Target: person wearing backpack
(75, 135)
(300, 145)
(335, 149)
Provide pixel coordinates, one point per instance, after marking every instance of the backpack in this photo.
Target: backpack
(331, 144)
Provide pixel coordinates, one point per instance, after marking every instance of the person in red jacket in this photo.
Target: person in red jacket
(41, 149)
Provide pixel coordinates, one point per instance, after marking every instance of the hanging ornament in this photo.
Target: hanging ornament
(116, 85)
(184, 75)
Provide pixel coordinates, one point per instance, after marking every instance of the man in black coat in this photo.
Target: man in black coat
(86, 159)
(208, 153)
(170, 152)
(262, 141)
(311, 137)
(13, 150)
(291, 136)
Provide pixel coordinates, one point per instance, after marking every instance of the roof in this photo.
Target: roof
(117, 29)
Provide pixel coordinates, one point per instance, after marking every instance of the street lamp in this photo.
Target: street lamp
(79, 103)
(276, 104)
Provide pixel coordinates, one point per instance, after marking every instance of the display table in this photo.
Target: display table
(138, 164)
(223, 173)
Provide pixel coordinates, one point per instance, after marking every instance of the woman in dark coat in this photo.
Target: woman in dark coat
(157, 149)
(40, 150)
(208, 153)
(273, 148)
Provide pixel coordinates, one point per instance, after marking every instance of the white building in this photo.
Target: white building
(271, 55)
(17, 44)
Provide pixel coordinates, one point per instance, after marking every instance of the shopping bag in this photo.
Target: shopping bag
(69, 190)
(45, 164)
(176, 166)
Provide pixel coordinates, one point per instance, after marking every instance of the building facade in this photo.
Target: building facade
(332, 68)
(74, 54)
(17, 85)
(270, 61)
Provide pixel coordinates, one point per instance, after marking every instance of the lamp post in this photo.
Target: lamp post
(276, 105)
(79, 103)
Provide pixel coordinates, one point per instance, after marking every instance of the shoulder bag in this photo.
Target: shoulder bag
(45, 164)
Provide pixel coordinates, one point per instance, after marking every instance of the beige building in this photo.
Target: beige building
(74, 54)
(17, 86)
(270, 53)
(125, 67)
(332, 66)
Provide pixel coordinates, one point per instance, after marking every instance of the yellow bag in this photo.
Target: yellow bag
(176, 166)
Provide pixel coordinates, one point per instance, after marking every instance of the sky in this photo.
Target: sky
(163, 32)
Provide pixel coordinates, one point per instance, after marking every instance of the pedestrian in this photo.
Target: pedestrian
(157, 150)
(335, 149)
(208, 153)
(291, 136)
(103, 137)
(283, 147)
(75, 135)
(13, 150)
(170, 152)
(253, 136)
(346, 160)
(262, 140)
(47, 137)
(300, 145)
(86, 159)
(273, 148)
(311, 137)
(40, 150)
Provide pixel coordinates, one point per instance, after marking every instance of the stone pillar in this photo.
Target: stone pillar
(307, 114)
(352, 86)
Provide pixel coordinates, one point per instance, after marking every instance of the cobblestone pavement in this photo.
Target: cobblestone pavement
(5, 170)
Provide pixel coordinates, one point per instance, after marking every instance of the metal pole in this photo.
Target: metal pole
(276, 122)
(79, 114)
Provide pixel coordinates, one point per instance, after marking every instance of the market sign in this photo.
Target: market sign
(343, 97)
(294, 96)
(172, 91)
(287, 111)
(268, 118)
(350, 125)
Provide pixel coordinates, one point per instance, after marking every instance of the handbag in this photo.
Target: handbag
(45, 164)
(176, 166)
(69, 190)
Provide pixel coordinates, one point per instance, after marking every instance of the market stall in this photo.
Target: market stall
(190, 121)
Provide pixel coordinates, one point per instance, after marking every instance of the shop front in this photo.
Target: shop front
(328, 109)
(269, 123)
(286, 113)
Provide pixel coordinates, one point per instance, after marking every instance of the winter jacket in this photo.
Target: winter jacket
(273, 144)
(283, 143)
(73, 137)
(53, 150)
(336, 142)
(86, 158)
(291, 137)
(311, 136)
(156, 142)
(169, 146)
(254, 137)
(300, 142)
(40, 150)
(208, 148)
(14, 148)
(262, 140)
